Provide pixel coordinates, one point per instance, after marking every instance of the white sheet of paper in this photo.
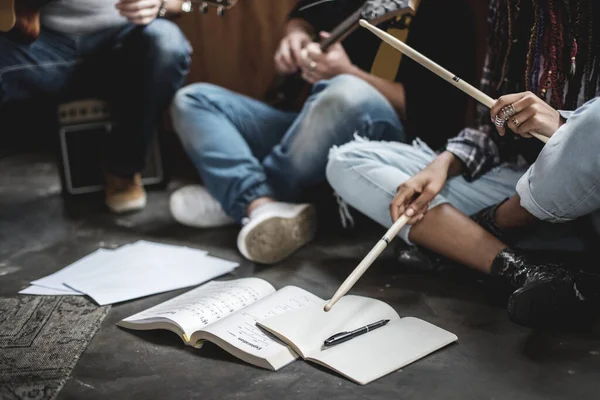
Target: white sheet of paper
(43, 291)
(95, 262)
(79, 268)
(139, 272)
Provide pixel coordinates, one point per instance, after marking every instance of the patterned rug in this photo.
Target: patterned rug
(41, 339)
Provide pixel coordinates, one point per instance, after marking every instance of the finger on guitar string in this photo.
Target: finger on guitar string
(296, 44)
(283, 59)
(305, 59)
(313, 52)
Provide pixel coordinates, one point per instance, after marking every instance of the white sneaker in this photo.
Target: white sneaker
(276, 230)
(193, 206)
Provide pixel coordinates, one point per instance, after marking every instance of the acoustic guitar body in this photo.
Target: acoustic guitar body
(25, 18)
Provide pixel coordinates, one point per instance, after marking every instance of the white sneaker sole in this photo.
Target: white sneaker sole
(134, 205)
(274, 237)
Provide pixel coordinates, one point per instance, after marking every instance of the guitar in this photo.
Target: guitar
(20, 19)
(290, 92)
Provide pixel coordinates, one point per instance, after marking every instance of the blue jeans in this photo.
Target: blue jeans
(561, 186)
(367, 174)
(137, 69)
(244, 149)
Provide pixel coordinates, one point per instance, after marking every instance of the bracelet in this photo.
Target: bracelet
(162, 11)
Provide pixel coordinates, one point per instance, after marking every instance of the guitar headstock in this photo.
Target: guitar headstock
(378, 11)
(220, 5)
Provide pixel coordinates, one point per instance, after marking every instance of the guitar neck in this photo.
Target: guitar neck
(342, 30)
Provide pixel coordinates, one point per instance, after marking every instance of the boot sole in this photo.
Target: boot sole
(270, 241)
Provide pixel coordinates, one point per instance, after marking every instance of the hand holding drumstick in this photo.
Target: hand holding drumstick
(537, 119)
(502, 115)
(408, 207)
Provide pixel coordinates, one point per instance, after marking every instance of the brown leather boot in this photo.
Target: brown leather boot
(124, 194)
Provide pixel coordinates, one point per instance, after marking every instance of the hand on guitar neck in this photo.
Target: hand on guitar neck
(317, 65)
(289, 92)
(288, 55)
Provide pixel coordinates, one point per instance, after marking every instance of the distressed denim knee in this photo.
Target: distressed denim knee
(366, 174)
(338, 110)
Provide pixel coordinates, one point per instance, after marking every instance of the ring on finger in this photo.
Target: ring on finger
(516, 122)
(509, 111)
(499, 122)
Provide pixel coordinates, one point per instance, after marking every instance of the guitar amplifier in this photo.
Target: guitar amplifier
(84, 129)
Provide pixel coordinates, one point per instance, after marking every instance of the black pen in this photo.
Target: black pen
(343, 336)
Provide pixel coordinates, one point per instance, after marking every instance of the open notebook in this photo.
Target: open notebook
(364, 358)
(226, 313)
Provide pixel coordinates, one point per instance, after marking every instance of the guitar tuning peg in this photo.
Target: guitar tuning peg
(220, 11)
(203, 8)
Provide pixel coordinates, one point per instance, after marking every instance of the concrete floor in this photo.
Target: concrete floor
(493, 359)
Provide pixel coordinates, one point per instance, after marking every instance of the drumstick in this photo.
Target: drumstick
(367, 261)
(438, 70)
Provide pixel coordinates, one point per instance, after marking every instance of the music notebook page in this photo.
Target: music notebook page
(240, 330)
(207, 304)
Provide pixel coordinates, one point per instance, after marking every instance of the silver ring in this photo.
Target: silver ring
(516, 122)
(312, 65)
(509, 111)
(499, 122)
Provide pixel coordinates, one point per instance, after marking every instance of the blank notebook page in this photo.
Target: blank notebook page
(365, 357)
(384, 350)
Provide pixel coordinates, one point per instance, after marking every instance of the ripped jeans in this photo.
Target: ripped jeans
(366, 175)
(561, 186)
(244, 149)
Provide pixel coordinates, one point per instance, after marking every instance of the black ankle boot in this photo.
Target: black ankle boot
(546, 293)
(486, 218)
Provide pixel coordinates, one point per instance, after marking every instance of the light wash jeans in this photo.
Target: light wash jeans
(244, 149)
(562, 185)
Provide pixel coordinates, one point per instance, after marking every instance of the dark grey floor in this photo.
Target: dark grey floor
(493, 358)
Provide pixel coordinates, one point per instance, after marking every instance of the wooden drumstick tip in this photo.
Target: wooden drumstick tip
(327, 307)
(363, 23)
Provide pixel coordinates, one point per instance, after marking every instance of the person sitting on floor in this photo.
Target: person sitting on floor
(546, 56)
(256, 159)
(119, 50)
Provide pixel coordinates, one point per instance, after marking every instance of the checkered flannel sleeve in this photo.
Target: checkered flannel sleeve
(476, 149)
